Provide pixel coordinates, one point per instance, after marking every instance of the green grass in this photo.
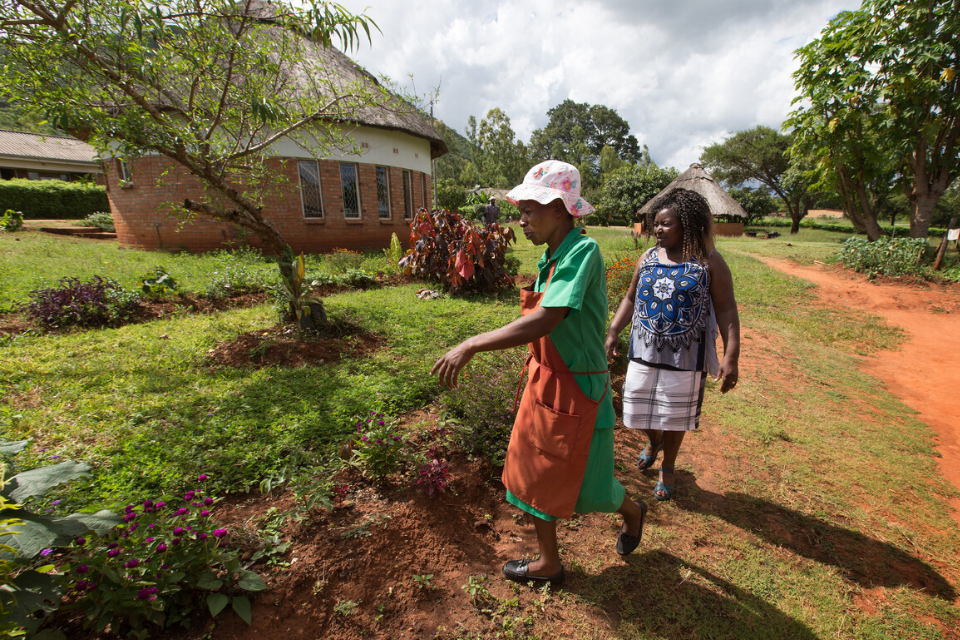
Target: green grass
(825, 488)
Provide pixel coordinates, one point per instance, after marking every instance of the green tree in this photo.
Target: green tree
(880, 103)
(762, 155)
(578, 132)
(756, 202)
(209, 84)
(628, 188)
(503, 159)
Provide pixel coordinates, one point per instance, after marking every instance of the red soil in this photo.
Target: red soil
(923, 372)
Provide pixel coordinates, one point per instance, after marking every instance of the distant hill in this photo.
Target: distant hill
(16, 117)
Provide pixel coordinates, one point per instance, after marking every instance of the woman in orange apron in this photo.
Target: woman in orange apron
(560, 457)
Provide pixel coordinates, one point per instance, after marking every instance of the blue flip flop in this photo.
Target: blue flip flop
(646, 461)
(666, 488)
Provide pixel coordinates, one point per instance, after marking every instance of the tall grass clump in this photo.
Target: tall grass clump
(884, 257)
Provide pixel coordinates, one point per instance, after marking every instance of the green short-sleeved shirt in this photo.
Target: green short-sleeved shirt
(580, 283)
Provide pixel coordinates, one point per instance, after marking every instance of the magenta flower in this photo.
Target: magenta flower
(149, 540)
(219, 533)
(202, 536)
(148, 503)
(204, 513)
(129, 508)
(202, 477)
(134, 527)
(81, 541)
(179, 531)
(82, 568)
(161, 505)
(113, 553)
(189, 495)
(112, 545)
(129, 517)
(46, 552)
(161, 548)
(182, 511)
(208, 501)
(175, 542)
(130, 564)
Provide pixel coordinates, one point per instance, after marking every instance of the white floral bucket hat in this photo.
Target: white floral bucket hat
(550, 180)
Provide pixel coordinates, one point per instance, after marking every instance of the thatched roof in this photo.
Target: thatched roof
(696, 179)
(328, 65)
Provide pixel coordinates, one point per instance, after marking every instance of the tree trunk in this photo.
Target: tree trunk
(921, 210)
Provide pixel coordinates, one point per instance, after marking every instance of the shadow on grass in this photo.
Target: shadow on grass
(862, 559)
(663, 596)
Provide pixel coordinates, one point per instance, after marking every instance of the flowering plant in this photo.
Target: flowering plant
(146, 572)
(434, 476)
(377, 448)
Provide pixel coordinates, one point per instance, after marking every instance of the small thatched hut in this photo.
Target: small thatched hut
(728, 215)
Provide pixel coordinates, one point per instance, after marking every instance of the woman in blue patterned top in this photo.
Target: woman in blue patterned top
(681, 293)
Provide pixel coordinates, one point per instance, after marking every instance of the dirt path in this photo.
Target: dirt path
(923, 372)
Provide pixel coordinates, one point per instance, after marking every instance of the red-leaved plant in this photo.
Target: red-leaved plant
(461, 256)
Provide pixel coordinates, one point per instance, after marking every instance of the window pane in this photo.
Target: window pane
(310, 189)
(383, 193)
(423, 188)
(407, 196)
(351, 197)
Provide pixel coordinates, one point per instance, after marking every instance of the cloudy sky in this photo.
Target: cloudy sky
(683, 73)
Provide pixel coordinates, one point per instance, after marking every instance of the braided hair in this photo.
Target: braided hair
(694, 214)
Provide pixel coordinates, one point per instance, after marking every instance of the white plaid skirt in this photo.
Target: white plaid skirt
(662, 399)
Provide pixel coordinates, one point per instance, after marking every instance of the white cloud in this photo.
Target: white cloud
(684, 74)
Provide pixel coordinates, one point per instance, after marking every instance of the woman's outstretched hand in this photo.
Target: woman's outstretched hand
(447, 368)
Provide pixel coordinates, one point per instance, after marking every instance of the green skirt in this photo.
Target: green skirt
(600, 491)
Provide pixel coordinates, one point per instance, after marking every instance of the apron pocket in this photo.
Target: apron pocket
(554, 433)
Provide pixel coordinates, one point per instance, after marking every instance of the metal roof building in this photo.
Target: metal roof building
(39, 157)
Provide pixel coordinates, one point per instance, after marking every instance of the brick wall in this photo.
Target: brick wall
(143, 221)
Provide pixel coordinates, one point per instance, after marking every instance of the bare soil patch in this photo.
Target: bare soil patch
(282, 345)
(923, 371)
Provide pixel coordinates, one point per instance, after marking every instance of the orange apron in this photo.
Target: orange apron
(550, 443)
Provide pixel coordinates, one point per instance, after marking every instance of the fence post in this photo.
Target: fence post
(942, 249)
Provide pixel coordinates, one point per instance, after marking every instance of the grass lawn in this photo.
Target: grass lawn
(829, 519)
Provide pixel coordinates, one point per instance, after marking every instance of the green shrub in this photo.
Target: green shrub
(157, 283)
(102, 220)
(450, 195)
(886, 256)
(11, 221)
(482, 403)
(358, 279)
(41, 199)
(341, 260)
(378, 450)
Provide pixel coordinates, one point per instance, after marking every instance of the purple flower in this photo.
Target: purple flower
(164, 565)
(46, 552)
(82, 568)
(149, 540)
(204, 513)
(85, 585)
(195, 504)
(134, 527)
(143, 594)
(160, 505)
(219, 533)
(55, 503)
(130, 564)
(380, 422)
(112, 545)
(161, 548)
(202, 477)
(202, 536)
(81, 541)
(113, 553)
(182, 511)
(128, 508)
(148, 503)
(208, 501)
(363, 439)
(175, 542)
(395, 438)
(189, 495)
(179, 531)
(129, 517)
(151, 525)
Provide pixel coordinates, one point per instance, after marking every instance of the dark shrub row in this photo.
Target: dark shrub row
(52, 199)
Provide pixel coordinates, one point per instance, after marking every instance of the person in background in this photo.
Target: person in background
(491, 212)
(560, 457)
(681, 291)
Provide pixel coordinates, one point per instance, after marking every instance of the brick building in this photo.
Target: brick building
(322, 200)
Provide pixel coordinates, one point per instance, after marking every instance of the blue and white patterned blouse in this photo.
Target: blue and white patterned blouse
(674, 325)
